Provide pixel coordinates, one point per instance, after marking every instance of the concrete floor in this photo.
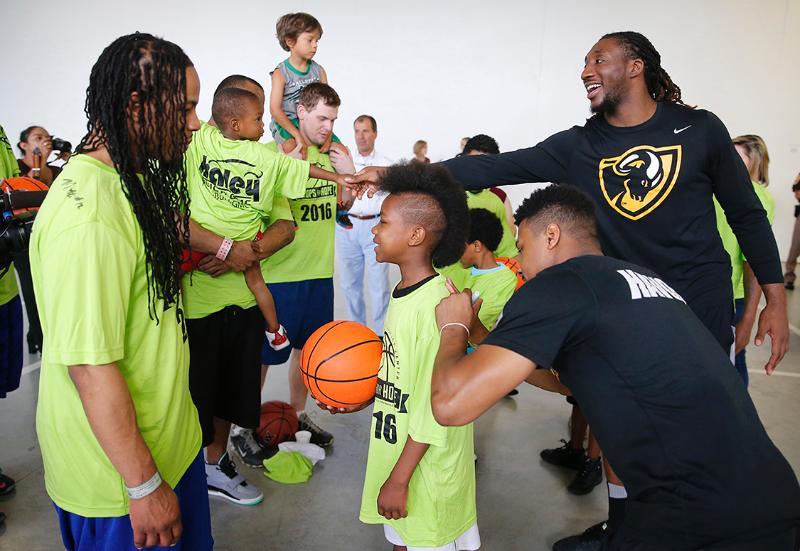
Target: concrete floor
(522, 503)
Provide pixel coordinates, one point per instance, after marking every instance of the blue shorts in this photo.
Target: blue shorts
(303, 307)
(10, 345)
(115, 533)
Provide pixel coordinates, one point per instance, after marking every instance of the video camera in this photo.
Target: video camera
(20, 199)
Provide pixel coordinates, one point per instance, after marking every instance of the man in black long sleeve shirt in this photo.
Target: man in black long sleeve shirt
(652, 165)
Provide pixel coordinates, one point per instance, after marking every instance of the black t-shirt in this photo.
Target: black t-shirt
(672, 417)
(652, 185)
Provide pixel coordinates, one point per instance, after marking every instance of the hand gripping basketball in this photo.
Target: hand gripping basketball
(340, 363)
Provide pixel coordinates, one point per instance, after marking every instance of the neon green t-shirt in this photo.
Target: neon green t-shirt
(484, 199)
(496, 285)
(441, 493)
(233, 185)
(8, 169)
(729, 238)
(88, 266)
(310, 255)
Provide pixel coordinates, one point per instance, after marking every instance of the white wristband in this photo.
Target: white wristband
(144, 490)
(224, 248)
(454, 323)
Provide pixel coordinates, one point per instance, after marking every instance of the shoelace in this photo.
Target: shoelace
(229, 469)
(306, 420)
(585, 471)
(250, 442)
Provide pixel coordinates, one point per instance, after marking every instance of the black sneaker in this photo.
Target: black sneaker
(7, 485)
(343, 220)
(789, 285)
(590, 475)
(565, 456)
(319, 436)
(252, 451)
(590, 540)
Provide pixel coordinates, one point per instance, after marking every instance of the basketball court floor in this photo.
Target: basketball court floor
(523, 504)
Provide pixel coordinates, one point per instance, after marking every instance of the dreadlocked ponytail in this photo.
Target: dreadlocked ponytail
(145, 139)
(659, 85)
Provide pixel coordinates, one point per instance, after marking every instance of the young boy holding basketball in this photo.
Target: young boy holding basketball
(420, 476)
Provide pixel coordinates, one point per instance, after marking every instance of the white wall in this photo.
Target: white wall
(434, 70)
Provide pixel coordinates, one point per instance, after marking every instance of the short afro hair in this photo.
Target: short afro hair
(231, 103)
(236, 81)
(435, 201)
(483, 143)
(561, 204)
(485, 227)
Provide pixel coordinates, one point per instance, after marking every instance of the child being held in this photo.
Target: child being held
(420, 476)
(298, 34)
(238, 116)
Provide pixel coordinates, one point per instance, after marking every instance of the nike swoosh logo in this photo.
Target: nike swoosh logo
(678, 131)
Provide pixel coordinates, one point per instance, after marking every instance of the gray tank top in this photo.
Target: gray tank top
(295, 82)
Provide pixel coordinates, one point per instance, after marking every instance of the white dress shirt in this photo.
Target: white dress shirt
(369, 206)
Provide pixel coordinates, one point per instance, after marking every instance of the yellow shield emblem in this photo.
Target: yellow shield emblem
(637, 182)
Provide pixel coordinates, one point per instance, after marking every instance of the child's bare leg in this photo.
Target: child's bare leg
(289, 145)
(257, 286)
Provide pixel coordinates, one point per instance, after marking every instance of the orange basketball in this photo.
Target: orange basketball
(514, 266)
(340, 363)
(19, 184)
(278, 422)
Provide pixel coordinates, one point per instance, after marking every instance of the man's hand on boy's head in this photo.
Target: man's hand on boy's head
(457, 308)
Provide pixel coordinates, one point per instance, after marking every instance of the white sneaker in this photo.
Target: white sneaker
(224, 481)
(278, 340)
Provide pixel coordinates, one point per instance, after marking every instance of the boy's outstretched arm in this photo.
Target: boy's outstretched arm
(393, 496)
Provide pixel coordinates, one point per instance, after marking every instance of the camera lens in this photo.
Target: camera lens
(61, 145)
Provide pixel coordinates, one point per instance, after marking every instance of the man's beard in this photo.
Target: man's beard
(609, 105)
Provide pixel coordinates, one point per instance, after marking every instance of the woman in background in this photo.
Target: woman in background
(421, 152)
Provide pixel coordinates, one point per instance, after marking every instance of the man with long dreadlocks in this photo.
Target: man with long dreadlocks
(119, 433)
(651, 164)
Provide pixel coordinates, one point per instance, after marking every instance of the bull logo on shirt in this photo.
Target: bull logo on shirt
(637, 182)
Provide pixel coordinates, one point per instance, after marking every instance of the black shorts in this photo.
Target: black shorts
(225, 367)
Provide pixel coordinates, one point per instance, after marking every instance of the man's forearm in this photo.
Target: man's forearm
(201, 239)
(752, 293)
(109, 408)
(452, 347)
(275, 237)
(775, 294)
